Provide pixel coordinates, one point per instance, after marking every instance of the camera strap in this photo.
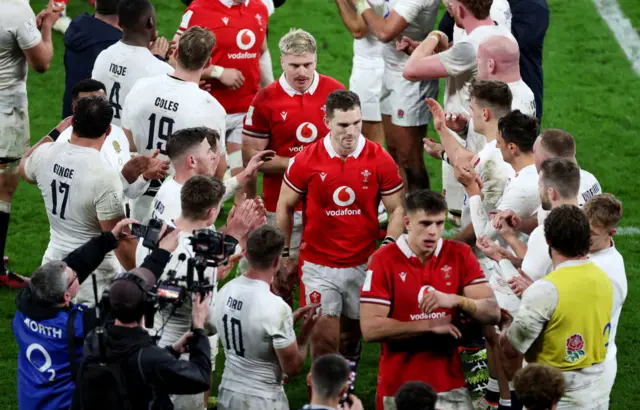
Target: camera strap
(71, 342)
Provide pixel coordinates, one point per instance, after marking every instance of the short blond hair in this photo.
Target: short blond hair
(604, 210)
(297, 42)
(194, 47)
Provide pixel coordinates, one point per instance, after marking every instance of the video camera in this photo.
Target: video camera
(210, 249)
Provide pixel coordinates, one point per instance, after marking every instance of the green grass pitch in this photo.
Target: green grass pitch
(590, 90)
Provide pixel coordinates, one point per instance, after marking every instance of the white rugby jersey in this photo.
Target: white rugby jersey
(611, 262)
(421, 17)
(521, 195)
(161, 105)
(18, 32)
(494, 173)
(116, 152)
(79, 190)
(120, 66)
(166, 204)
(252, 322)
(523, 100)
(589, 187)
(462, 66)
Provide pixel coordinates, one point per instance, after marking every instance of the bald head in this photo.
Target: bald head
(499, 59)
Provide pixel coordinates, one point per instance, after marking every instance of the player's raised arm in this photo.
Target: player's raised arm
(352, 21)
(126, 250)
(40, 55)
(386, 29)
(424, 63)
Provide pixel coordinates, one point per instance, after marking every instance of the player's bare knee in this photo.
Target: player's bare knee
(9, 178)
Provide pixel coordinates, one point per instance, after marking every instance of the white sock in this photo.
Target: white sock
(492, 385)
(505, 403)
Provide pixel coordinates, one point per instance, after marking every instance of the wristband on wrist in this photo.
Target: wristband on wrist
(54, 134)
(216, 71)
(468, 305)
(285, 252)
(362, 6)
(387, 240)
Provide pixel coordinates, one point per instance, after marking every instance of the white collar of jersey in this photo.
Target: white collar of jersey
(291, 91)
(568, 264)
(231, 3)
(527, 170)
(332, 153)
(404, 247)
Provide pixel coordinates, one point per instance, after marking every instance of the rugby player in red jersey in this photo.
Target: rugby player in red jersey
(285, 117)
(413, 290)
(340, 179)
(240, 27)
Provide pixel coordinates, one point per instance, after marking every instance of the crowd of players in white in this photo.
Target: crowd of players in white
(398, 59)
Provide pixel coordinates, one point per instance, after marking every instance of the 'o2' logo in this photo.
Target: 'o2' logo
(46, 366)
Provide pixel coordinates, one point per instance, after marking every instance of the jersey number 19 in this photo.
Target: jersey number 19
(165, 129)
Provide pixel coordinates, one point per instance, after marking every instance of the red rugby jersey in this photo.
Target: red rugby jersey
(290, 120)
(394, 279)
(240, 30)
(340, 205)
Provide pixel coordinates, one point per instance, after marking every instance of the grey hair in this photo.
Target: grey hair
(49, 282)
(297, 42)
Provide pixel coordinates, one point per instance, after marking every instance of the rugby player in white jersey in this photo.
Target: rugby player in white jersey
(559, 180)
(604, 213)
(498, 60)
(82, 194)
(161, 105)
(256, 328)
(459, 65)
(404, 116)
(367, 71)
(130, 59)
(553, 143)
(500, 13)
(24, 42)
(195, 151)
(135, 173)
(200, 202)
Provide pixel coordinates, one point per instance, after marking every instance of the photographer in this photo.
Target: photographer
(49, 329)
(200, 199)
(124, 369)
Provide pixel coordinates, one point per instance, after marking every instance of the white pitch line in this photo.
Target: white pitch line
(622, 29)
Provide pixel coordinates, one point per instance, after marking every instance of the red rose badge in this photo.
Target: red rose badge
(575, 348)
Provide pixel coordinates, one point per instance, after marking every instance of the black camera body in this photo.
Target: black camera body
(150, 233)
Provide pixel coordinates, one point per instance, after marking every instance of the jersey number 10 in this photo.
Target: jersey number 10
(236, 328)
(165, 129)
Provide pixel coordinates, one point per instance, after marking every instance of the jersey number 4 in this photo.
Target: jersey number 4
(236, 329)
(114, 100)
(165, 128)
(62, 189)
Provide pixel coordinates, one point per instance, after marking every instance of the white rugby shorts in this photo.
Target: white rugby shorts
(403, 100)
(457, 399)
(234, 124)
(230, 400)
(14, 131)
(366, 81)
(336, 289)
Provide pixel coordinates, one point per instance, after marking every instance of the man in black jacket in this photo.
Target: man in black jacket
(151, 373)
(85, 38)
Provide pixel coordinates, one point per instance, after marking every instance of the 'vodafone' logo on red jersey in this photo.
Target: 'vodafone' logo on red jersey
(344, 196)
(245, 39)
(306, 132)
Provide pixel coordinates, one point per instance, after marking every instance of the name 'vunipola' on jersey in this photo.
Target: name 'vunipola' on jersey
(161, 105)
(119, 67)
